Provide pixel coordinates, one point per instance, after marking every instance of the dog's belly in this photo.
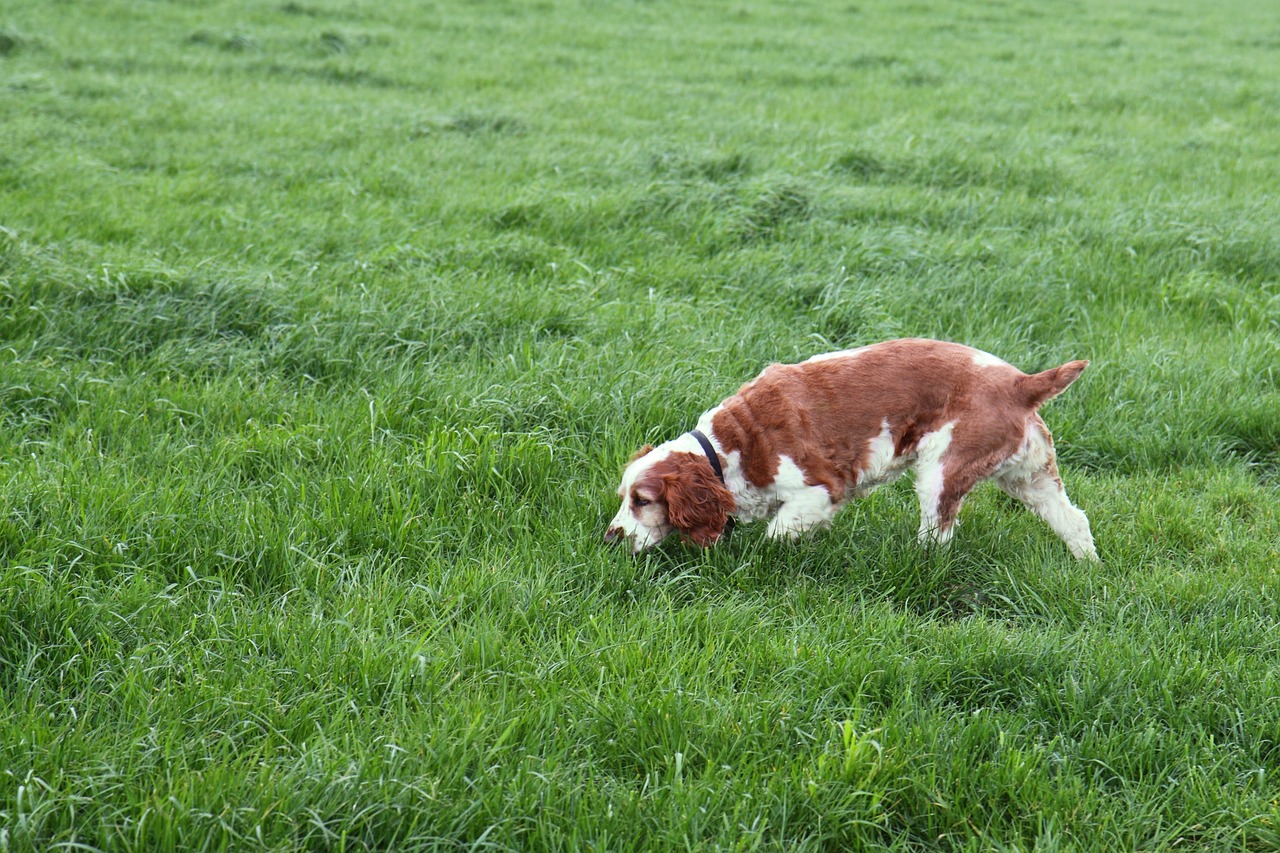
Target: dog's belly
(881, 465)
(871, 479)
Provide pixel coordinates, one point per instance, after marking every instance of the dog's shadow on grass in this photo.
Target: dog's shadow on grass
(872, 559)
(939, 582)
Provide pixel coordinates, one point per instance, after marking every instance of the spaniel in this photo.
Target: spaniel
(798, 441)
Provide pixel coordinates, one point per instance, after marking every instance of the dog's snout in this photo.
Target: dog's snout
(613, 535)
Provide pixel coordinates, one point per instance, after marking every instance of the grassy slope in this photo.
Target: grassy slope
(326, 327)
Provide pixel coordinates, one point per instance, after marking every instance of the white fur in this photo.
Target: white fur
(752, 504)
(986, 359)
(800, 507)
(882, 465)
(1029, 476)
(930, 483)
(844, 353)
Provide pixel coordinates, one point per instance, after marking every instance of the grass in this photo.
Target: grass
(325, 329)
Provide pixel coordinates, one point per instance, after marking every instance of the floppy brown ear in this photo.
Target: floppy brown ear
(641, 452)
(698, 504)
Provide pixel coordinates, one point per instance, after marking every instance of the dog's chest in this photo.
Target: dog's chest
(759, 502)
(877, 466)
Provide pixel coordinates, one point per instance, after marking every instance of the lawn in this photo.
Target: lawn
(326, 328)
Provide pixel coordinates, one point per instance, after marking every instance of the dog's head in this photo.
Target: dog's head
(664, 491)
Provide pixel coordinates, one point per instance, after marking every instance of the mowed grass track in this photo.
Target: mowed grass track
(326, 327)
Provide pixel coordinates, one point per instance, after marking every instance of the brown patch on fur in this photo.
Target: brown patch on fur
(1051, 467)
(698, 504)
(823, 414)
(643, 451)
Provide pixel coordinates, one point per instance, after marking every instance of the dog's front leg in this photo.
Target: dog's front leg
(803, 510)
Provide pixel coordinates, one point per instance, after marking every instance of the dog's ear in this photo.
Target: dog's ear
(641, 452)
(698, 504)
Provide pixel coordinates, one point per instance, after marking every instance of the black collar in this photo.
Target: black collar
(710, 451)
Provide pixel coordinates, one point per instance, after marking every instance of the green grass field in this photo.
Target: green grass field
(327, 326)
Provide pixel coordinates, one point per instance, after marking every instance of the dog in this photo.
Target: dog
(798, 441)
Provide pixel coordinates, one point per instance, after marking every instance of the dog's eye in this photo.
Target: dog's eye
(639, 501)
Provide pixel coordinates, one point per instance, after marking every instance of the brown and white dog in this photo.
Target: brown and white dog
(799, 440)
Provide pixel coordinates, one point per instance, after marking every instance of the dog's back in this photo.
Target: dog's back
(828, 413)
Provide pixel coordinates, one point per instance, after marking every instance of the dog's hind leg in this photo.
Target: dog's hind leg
(1042, 492)
(1038, 486)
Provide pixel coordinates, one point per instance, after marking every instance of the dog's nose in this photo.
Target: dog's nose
(613, 534)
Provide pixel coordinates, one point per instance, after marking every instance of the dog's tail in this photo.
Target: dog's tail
(1042, 387)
